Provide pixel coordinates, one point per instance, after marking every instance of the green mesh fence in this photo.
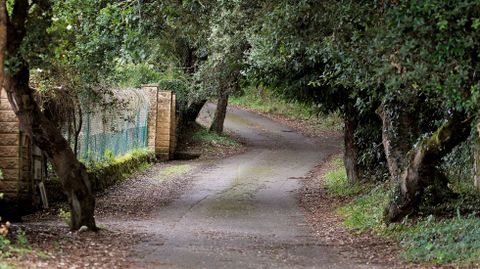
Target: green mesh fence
(112, 130)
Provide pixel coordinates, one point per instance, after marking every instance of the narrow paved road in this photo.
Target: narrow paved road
(242, 212)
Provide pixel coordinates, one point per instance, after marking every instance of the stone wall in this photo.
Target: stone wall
(162, 122)
(15, 157)
(22, 163)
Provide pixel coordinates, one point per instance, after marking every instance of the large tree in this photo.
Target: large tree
(404, 74)
(25, 21)
(70, 46)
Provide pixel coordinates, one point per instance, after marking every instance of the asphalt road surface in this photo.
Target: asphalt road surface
(242, 211)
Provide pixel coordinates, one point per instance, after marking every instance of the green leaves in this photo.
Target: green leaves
(442, 24)
(476, 24)
(455, 240)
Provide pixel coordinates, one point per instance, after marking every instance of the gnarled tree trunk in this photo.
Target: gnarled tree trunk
(220, 113)
(43, 131)
(421, 170)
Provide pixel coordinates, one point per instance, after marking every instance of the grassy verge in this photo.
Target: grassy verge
(454, 241)
(114, 169)
(267, 102)
(196, 140)
(203, 135)
(174, 170)
(336, 182)
(106, 172)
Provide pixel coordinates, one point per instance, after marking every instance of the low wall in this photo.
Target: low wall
(24, 168)
(104, 175)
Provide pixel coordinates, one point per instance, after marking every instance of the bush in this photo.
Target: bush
(107, 172)
(134, 75)
(265, 101)
(114, 169)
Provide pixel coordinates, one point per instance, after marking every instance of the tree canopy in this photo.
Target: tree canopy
(403, 73)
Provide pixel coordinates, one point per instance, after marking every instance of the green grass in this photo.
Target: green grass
(204, 135)
(269, 103)
(440, 241)
(366, 211)
(336, 181)
(174, 170)
(5, 265)
(455, 240)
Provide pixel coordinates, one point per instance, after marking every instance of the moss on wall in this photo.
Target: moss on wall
(106, 173)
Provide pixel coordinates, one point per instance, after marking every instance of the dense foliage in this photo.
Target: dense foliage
(403, 73)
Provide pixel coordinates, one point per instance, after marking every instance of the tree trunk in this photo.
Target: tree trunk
(421, 169)
(48, 138)
(41, 130)
(350, 157)
(476, 166)
(193, 111)
(397, 136)
(220, 113)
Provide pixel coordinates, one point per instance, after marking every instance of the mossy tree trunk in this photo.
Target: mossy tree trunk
(188, 54)
(421, 170)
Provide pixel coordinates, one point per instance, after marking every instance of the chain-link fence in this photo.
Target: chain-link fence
(116, 125)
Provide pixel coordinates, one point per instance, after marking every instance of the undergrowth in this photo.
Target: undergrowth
(267, 102)
(14, 244)
(109, 159)
(204, 135)
(455, 240)
(440, 241)
(336, 181)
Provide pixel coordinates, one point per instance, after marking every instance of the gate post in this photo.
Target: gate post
(16, 182)
(161, 122)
